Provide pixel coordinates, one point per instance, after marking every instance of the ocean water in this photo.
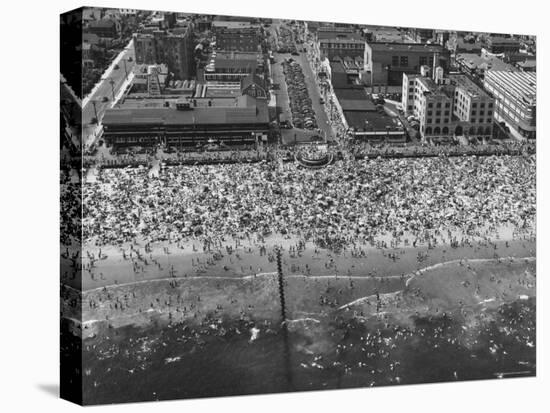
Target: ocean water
(163, 362)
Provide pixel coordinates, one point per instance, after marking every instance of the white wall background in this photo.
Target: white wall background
(29, 208)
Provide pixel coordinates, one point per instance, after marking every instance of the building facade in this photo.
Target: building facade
(516, 102)
(181, 123)
(175, 49)
(339, 42)
(501, 44)
(232, 67)
(385, 63)
(237, 36)
(447, 107)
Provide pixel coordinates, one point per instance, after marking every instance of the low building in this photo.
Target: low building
(187, 122)
(477, 64)
(447, 107)
(501, 44)
(339, 42)
(254, 86)
(173, 48)
(105, 28)
(516, 99)
(422, 35)
(363, 120)
(527, 65)
(382, 34)
(128, 12)
(385, 63)
(232, 67)
(239, 36)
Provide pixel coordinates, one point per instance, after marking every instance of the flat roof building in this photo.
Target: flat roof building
(477, 64)
(232, 67)
(385, 63)
(336, 42)
(501, 44)
(241, 36)
(447, 107)
(516, 99)
(362, 118)
(173, 48)
(181, 122)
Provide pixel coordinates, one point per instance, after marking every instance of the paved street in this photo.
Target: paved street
(298, 135)
(103, 89)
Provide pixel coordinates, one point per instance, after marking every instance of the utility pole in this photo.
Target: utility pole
(95, 110)
(112, 82)
(125, 70)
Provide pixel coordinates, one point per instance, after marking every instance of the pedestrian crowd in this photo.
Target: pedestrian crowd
(345, 202)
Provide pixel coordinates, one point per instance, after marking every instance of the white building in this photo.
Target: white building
(447, 107)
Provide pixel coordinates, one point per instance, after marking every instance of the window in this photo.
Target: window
(430, 105)
(429, 113)
(489, 120)
(423, 60)
(411, 82)
(446, 113)
(481, 105)
(474, 104)
(404, 61)
(411, 90)
(395, 60)
(438, 105)
(409, 107)
(437, 120)
(428, 120)
(490, 105)
(438, 112)
(489, 112)
(474, 113)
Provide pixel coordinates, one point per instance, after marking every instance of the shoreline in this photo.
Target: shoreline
(208, 294)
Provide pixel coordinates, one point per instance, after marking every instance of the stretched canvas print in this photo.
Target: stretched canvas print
(263, 205)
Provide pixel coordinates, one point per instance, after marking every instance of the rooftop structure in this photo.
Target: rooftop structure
(231, 66)
(385, 63)
(171, 47)
(335, 42)
(478, 64)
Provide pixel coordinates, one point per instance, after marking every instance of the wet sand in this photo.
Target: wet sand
(243, 283)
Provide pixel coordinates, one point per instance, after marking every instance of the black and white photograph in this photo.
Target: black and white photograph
(256, 205)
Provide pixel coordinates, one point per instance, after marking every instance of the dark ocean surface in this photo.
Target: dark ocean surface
(163, 362)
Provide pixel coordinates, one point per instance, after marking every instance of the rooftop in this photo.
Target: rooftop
(339, 34)
(233, 24)
(231, 60)
(354, 99)
(484, 62)
(469, 87)
(197, 116)
(371, 121)
(522, 85)
(434, 88)
(404, 47)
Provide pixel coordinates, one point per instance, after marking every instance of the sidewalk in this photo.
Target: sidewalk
(107, 73)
